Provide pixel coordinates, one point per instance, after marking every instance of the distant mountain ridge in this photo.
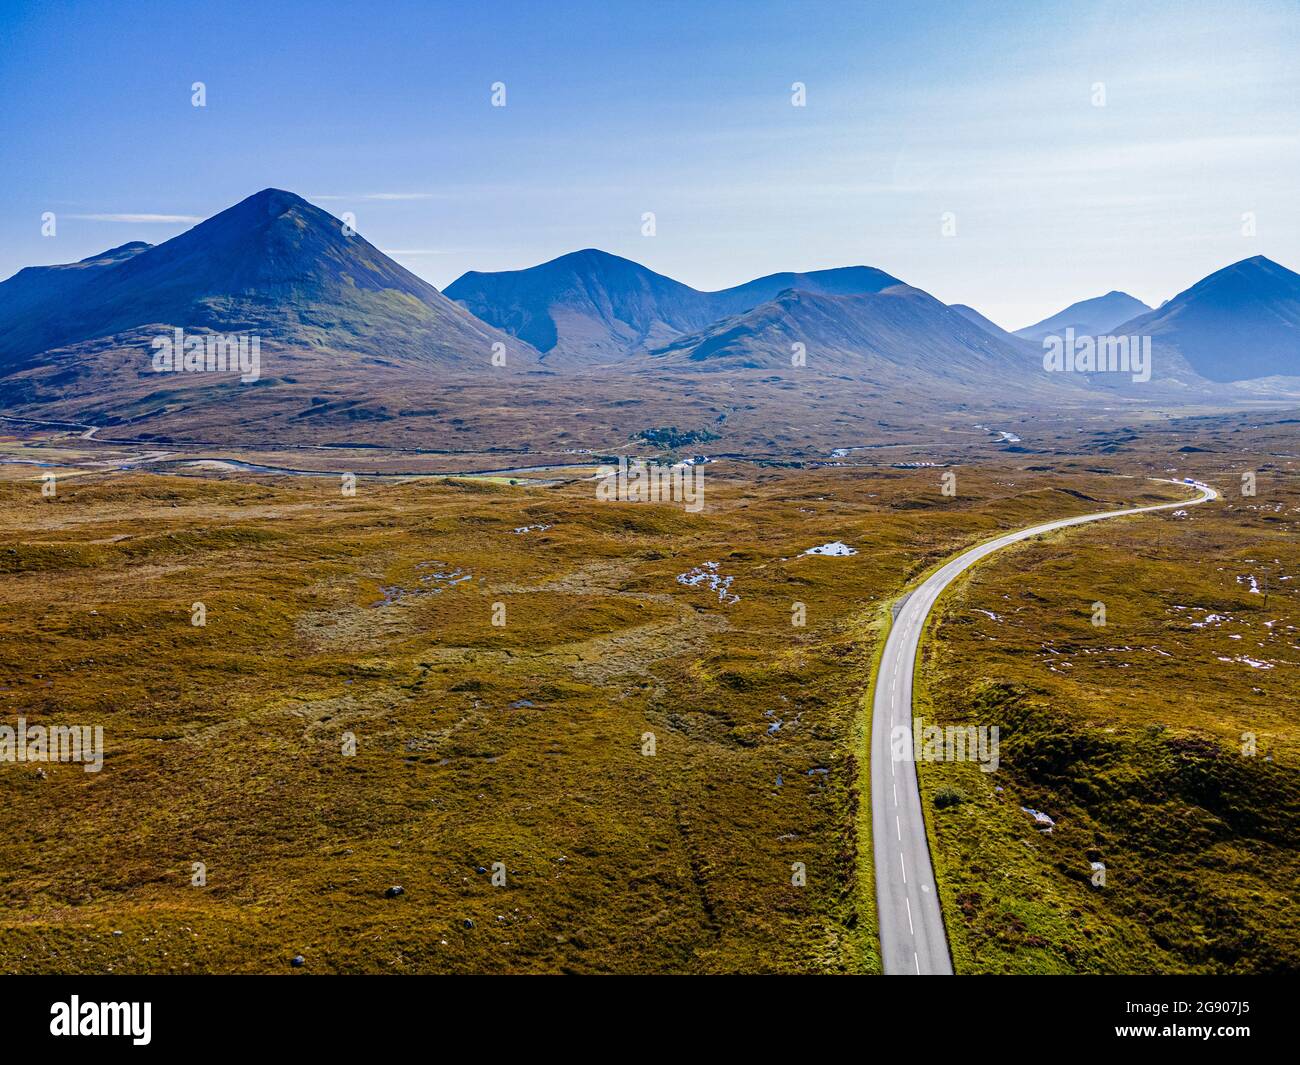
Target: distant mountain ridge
(588, 304)
(334, 312)
(838, 281)
(899, 337)
(1091, 317)
(993, 329)
(593, 307)
(972, 315)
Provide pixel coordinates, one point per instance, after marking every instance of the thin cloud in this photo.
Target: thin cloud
(167, 218)
(378, 196)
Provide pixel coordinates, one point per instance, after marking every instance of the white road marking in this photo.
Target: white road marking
(909, 915)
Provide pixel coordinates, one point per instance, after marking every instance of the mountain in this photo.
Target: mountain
(841, 281)
(356, 347)
(36, 288)
(1092, 317)
(1237, 324)
(587, 305)
(272, 265)
(987, 324)
(899, 336)
(592, 307)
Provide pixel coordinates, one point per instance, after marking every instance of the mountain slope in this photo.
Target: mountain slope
(1239, 323)
(842, 281)
(993, 329)
(46, 289)
(899, 336)
(1097, 316)
(272, 264)
(592, 307)
(587, 305)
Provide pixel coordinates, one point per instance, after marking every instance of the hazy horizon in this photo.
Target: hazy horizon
(986, 118)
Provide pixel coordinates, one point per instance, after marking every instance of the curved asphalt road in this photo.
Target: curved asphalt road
(912, 937)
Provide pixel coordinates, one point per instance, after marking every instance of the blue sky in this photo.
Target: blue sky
(983, 110)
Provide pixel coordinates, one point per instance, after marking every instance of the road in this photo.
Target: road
(912, 937)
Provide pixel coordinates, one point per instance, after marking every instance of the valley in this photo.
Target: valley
(388, 683)
(792, 488)
(524, 743)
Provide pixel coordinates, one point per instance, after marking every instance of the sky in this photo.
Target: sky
(1014, 157)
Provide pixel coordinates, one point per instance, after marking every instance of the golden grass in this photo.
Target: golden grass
(476, 743)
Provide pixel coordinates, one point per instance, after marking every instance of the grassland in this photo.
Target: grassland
(475, 743)
(1163, 743)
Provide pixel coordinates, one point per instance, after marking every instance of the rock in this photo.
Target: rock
(298, 961)
(1041, 820)
(394, 891)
